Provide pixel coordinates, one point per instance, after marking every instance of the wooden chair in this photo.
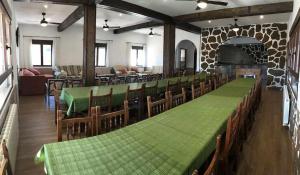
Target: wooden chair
(135, 98)
(59, 104)
(110, 121)
(231, 147)
(174, 88)
(75, 83)
(176, 100)
(105, 101)
(151, 91)
(212, 168)
(74, 128)
(157, 107)
(59, 84)
(5, 166)
(196, 91)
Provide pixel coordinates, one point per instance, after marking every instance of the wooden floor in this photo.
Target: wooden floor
(266, 152)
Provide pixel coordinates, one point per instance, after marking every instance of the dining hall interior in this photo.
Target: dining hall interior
(149, 87)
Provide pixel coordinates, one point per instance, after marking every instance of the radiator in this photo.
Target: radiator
(286, 107)
(10, 133)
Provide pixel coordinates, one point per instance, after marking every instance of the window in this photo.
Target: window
(100, 54)
(6, 73)
(138, 56)
(41, 52)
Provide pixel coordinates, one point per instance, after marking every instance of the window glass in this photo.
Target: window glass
(101, 56)
(137, 56)
(5, 88)
(47, 55)
(2, 58)
(36, 54)
(8, 43)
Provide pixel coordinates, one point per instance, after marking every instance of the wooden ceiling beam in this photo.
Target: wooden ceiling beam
(264, 9)
(71, 19)
(189, 28)
(133, 8)
(137, 26)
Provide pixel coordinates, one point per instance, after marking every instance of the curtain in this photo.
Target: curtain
(55, 51)
(108, 49)
(25, 55)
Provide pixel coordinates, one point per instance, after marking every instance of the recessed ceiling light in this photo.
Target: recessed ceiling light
(120, 14)
(209, 21)
(202, 4)
(46, 6)
(261, 16)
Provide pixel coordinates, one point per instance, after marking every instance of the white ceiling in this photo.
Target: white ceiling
(283, 17)
(177, 7)
(30, 13)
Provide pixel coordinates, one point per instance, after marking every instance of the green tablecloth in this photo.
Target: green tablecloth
(77, 99)
(174, 142)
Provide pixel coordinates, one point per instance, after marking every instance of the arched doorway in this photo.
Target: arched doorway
(273, 36)
(185, 57)
(242, 52)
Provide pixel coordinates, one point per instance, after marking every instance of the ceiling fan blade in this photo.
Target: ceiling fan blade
(218, 3)
(114, 27)
(55, 23)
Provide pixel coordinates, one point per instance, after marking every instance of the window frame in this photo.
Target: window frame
(137, 49)
(42, 43)
(97, 46)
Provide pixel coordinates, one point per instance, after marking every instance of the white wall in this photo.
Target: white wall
(155, 46)
(70, 43)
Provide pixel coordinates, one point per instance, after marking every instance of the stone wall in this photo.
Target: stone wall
(257, 52)
(273, 36)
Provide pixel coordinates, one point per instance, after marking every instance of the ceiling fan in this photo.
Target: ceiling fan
(106, 27)
(151, 34)
(201, 4)
(235, 27)
(44, 22)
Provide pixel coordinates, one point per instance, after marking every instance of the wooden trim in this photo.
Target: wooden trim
(137, 26)
(6, 7)
(71, 19)
(264, 9)
(295, 23)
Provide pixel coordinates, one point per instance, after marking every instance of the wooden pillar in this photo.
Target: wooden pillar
(169, 50)
(89, 39)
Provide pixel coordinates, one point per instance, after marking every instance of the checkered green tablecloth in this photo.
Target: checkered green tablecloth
(174, 142)
(78, 98)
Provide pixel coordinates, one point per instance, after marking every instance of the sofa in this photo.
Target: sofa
(32, 80)
(104, 71)
(74, 71)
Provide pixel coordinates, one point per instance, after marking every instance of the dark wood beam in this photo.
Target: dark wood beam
(295, 23)
(89, 39)
(67, 2)
(133, 8)
(169, 50)
(71, 19)
(265, 9)
(137, 26)
(189, 27)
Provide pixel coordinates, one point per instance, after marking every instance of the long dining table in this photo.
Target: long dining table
(77, 98)
(174, 142)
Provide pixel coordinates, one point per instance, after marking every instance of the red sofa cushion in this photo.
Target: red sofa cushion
(26, 72)
(35, 71)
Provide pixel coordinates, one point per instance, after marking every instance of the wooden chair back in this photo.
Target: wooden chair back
(196, 91)
(57, 102)
(212, 168)
(4, 165)
(75, 83)
(110, 121)
(105, 101)
(59, 84)
(74, 128)
(151, 90)
(174, 88)
(157, 107)
(232, 130)
(176, 100)
(135, 95)
(6, 169)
